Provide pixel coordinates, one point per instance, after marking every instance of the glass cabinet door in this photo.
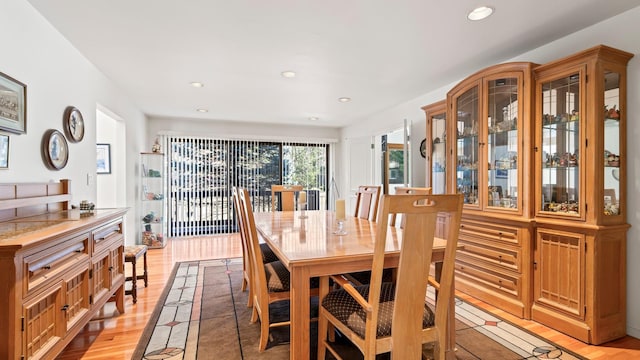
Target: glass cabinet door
(561, 145)
(612, 141)
(502, 143)
(466, 115)
(437, 154)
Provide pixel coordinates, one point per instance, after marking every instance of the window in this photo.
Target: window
(204, 170)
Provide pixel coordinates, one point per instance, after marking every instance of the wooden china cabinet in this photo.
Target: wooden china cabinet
(539, 153)
(491, 129)
(580, 193)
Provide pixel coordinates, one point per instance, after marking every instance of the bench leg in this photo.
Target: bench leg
(134, 279)
(146, 279)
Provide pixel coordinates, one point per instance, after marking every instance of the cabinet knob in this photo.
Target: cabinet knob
(47, 267)
(65, 307)
(110, 268)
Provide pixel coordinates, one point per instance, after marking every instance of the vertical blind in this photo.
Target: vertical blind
(203, 171)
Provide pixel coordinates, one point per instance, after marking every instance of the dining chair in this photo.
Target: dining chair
(363, 277)
(385, 317)
(287, 196)
(267, 254)
(404, 190)
(367, 198)
(270, 281)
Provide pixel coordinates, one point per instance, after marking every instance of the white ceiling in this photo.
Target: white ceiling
(378, 52)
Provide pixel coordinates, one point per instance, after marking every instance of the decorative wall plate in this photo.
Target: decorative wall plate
(423, 148)
(73, 124)
(55, 149)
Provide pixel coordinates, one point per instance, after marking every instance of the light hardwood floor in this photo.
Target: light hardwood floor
(114, 336)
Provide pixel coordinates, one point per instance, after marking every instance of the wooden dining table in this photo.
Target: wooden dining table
(306, 244)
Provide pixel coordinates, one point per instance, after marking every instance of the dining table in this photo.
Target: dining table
(306, 244)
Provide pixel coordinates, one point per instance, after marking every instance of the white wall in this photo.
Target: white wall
(111, 188)
(240, 130)
(622, 32)
(57, 76)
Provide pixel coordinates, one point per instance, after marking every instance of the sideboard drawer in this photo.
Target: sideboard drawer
(104, 235)
(49, 264)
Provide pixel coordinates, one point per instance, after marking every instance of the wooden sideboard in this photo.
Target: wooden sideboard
(58, 267)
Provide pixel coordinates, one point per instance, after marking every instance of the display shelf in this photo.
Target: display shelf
(152, 200)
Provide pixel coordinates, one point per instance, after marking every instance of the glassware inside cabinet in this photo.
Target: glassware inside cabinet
(560, 145)
(438, 153)
(612, 141)
(467, 145)
(502, 143)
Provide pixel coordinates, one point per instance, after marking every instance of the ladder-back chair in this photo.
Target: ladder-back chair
(393, 317)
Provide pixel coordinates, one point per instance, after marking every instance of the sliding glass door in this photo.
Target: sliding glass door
(203, 171)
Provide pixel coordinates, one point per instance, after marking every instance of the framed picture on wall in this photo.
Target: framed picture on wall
(13, 105)
(103, 160)
(4, 151)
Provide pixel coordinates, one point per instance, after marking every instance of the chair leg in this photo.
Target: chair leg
(243, 288)
(254, 314)
(322, 336)
(264, 331)
(250, 300)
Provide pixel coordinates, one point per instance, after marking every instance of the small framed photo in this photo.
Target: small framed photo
(13, 105)
(4, 151)
(103, 160)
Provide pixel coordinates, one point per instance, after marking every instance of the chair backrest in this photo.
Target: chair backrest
(259, 277)
(242, 229)
(367, 199)
(408, 191)
(420, 212)
(287, 195)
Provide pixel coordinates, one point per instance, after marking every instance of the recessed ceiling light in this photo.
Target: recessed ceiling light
(288, 74)
(480, 13)
(202, 110)
(344, 99)
(313, 118)
(197, 84)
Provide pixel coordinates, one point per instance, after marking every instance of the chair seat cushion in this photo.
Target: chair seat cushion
(344, 308)
(278, 277)
(364, 277)
(267, 254)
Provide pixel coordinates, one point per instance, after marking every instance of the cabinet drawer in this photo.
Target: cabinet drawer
(51, 263)
(485, 251)
(500, 234)
(103, 236)
(507, 284)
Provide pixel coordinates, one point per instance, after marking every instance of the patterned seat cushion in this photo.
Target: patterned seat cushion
(278, 277)
(267, 254)
(364, 277)
(341, 305)
(133, 251)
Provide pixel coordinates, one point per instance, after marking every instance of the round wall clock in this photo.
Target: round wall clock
(55, 149)
(73, 124)
(423, 148)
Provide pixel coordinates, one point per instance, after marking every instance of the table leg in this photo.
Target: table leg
(300, 313)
